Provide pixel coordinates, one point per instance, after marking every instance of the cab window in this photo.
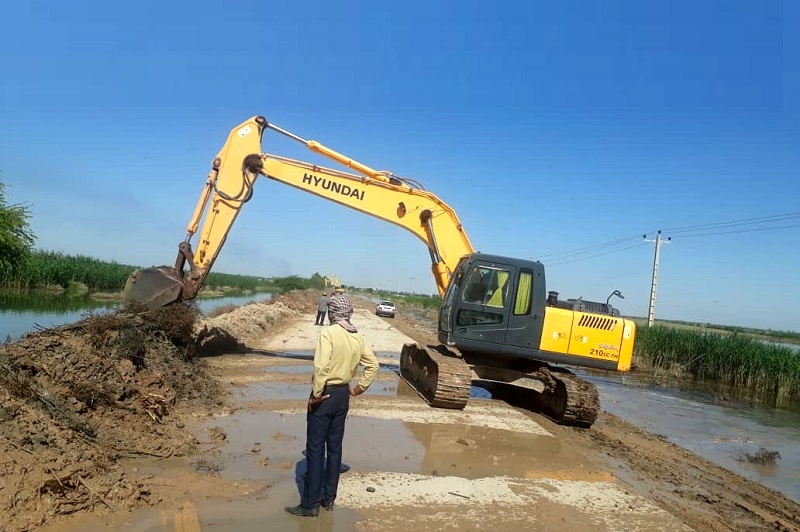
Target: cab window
(522, 303)
(486, 286)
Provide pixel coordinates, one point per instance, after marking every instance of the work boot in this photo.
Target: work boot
(328, 505)
(301, 511)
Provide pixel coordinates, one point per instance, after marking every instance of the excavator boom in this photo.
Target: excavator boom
(229, 186)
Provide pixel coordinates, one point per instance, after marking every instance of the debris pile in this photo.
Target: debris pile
(77, 398)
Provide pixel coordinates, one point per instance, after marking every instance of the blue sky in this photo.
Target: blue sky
(548, 126)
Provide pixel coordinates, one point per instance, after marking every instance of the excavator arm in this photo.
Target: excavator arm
(229, 186)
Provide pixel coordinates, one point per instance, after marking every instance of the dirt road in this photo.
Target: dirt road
(490, 467)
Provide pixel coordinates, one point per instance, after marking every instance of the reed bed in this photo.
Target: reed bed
(51, 268)
(48, 268)
(750, 368)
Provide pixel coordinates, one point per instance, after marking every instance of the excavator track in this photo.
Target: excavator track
(441, 378)
(568, 399)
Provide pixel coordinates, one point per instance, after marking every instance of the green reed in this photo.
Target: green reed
(48, 268)
(752, 368)
(45, 268)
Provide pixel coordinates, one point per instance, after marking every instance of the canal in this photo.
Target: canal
(20, 314)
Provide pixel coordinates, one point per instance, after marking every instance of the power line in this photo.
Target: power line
(734, 223)
(740, 231)
(597, 254)
(587, 249)
(574, 255)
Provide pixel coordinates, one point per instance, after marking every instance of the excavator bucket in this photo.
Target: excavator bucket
(154, 287)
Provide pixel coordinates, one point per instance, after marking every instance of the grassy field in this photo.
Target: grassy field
(768, 335)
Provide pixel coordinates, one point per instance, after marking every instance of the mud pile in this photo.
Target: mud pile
(231, 332)
(77, 398)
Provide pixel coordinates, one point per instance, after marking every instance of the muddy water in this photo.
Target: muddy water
(721, 432)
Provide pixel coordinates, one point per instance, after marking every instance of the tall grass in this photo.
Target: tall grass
(788, 337)
(45, 268)
(48, 268)
(749, 367)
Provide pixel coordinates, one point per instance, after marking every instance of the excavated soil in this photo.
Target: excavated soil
(76, 401)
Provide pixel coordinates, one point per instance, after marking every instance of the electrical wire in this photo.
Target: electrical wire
(588, 249)
(710, 229)
(739, 231)
(733, 223)
(557, 262)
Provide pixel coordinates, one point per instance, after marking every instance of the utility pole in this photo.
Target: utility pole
(412, 284)
(651, 311)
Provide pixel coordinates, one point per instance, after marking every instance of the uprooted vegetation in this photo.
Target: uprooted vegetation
(762, 456)
(77, 398)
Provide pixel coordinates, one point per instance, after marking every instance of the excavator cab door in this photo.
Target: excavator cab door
(476, 306)
(492, 305)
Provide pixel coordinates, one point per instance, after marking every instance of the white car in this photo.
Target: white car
(385, 308)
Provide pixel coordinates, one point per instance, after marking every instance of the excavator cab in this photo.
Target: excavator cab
(493, 304)
(499, 307)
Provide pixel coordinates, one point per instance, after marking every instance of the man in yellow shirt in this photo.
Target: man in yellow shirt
(340, 349)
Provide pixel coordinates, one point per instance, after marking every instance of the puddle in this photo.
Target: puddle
(297, 355)
(271, 390)
(413, 468)
(308, 368)
(720, 432)
(369, 444)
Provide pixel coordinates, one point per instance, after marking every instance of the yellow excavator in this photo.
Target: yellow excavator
(498, 324)
(334, 284)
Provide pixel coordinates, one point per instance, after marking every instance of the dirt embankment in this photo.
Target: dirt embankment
(76, 399)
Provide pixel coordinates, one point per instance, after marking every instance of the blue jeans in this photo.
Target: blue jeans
(324, 436)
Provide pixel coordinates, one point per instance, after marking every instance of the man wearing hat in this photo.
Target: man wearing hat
(340, 349)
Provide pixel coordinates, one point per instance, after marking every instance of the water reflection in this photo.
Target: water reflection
(23, 313)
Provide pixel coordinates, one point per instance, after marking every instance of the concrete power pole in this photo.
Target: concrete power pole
(412, 284)
(651, 310)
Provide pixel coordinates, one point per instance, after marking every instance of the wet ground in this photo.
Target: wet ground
(490, 466)
(722, 431)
